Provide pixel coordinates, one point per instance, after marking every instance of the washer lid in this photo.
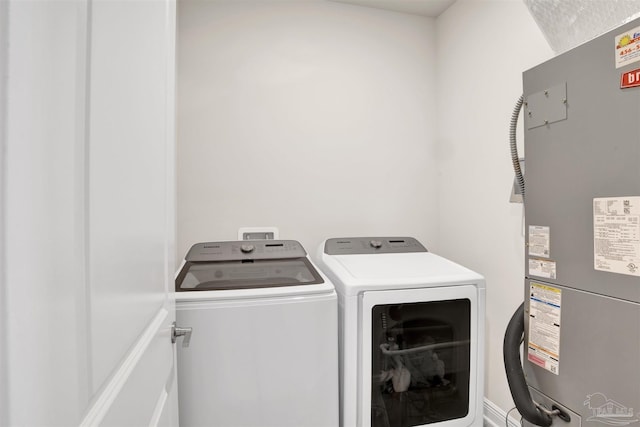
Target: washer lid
(246, 265)
(225, 275)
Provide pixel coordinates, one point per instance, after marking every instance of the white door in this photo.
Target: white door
(87, 192)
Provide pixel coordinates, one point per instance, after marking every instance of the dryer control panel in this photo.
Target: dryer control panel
(372, 245)
(245, 250)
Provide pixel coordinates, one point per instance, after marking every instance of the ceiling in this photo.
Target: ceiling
(431, 8)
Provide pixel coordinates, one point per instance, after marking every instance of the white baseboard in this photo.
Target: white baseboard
(494, 416)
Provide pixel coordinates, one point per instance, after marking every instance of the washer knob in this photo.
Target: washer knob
(247, 249)
(377, 244)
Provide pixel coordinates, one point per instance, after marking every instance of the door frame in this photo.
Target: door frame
(4, 33)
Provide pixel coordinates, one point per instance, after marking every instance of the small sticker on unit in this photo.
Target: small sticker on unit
(542, 268)
(627, 47)
(544, 327)
(616, 235)
(539, 241)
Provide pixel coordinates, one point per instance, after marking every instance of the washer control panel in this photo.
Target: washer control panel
(245, 250)
(372, 245)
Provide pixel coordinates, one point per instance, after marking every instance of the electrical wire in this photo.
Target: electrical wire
(506, 417)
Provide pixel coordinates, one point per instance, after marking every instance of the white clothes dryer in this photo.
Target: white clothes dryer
(411, 334)
(263, 350)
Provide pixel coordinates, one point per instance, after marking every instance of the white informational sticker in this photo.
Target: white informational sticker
(542, 268)
(539, 238)
(627, 47)
(544, 327)
(616, 235)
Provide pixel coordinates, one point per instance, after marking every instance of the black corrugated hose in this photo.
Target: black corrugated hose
(515, 375)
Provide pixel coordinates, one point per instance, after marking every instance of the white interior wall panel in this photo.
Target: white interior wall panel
(127, 183)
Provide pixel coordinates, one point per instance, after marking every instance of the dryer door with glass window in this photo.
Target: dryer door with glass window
(419, 353)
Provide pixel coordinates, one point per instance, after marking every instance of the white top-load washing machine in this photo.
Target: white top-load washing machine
(411, 334)
(263, 351)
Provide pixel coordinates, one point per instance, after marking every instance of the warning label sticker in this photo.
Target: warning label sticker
(542, 268)
(627, 47)
(616, 235)
(544, 327)
(539, 238)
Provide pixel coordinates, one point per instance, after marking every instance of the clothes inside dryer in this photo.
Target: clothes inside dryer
(421, 362)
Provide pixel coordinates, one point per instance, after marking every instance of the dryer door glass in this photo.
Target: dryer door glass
(420, 362)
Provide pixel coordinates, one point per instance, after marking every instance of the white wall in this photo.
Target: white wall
(315, 117)
(483, 47)
(320, 118)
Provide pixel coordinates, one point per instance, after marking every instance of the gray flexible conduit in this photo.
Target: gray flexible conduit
(513, 144)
